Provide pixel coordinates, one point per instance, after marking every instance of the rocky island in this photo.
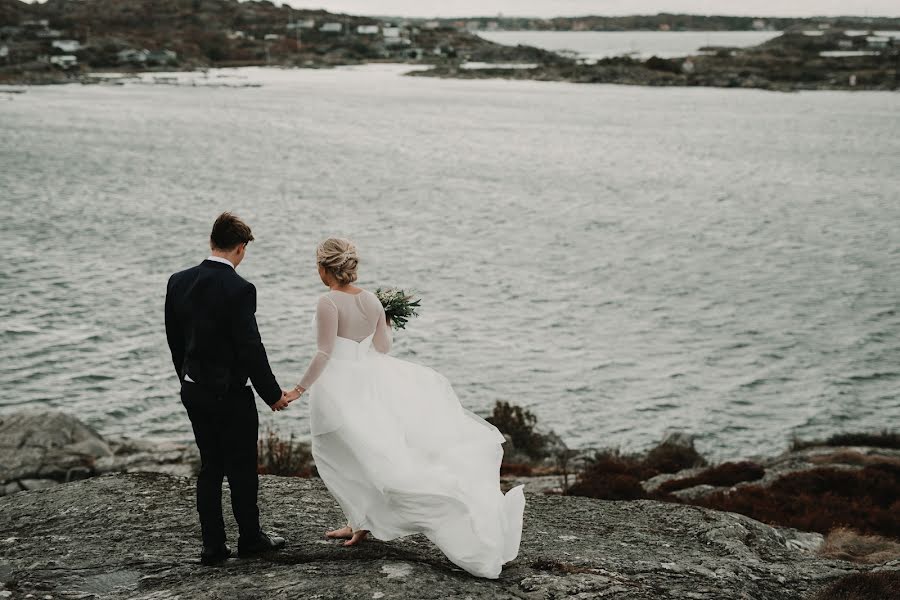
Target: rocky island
(85, 517)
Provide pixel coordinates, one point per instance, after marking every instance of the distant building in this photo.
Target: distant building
(331, 28)
(473, 25)
(665, 27)
(48, 34)
(67, 46)
(305, 24)
(493, 26)
(878, 41)
(390, 32)
(4, 52)
(271, 37)
(65, 61)
(236, 35)
(432, 25)
(687, 67)
(9, 31)
(132, 56)
(162, 57)
(759, 24)
(37, 24)
(845, 44)
(367, 29)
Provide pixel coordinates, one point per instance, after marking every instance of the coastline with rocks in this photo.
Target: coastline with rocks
(46, 44)
(89, 517)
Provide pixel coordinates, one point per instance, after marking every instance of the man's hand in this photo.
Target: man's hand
(282, 403)
(286, 398)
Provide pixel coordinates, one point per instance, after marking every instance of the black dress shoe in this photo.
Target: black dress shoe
(214, 555)
(262, 544)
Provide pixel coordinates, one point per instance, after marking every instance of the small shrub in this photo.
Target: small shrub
(515, 469)
(287, 458)
(884, 439)
(729, 473)
(519, 424)
(671, 458)
(608, 486)
(847, 544)
(878, 585)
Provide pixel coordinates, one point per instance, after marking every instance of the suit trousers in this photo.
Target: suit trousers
(225, 429)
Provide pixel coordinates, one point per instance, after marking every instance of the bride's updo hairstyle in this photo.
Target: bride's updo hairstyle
(339, 258)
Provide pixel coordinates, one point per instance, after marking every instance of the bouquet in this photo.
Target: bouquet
(399, 305)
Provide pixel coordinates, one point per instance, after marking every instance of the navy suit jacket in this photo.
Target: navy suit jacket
(212, 332)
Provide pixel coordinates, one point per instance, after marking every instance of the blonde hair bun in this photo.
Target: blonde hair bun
(338, 256)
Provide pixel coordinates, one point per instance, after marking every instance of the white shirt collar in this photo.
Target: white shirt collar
(224, 261)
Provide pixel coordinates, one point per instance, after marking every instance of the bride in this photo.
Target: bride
(392, 442)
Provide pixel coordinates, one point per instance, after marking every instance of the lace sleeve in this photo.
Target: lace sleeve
(326, 335)
(382, 338)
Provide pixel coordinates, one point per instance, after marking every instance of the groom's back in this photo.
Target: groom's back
(203, 303)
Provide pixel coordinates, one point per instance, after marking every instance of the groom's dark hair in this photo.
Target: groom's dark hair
(229, 232)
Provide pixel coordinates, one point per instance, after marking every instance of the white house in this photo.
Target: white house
(432, 24)
(305, 24)
(367, 29)
(878, 41)
(270, 37)
(390, 32)
(64, 60)
(331, 28)
(66, 45)
(133, 56)
(162, 57)
(4, 51)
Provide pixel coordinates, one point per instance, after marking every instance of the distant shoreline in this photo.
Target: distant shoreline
(67, 42)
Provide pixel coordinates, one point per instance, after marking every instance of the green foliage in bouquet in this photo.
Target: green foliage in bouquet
(399, 305)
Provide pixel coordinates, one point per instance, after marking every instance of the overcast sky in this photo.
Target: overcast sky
(553, 8)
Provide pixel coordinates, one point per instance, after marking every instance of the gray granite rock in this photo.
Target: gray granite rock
(47, 445)
(39, 449)
(136, 536)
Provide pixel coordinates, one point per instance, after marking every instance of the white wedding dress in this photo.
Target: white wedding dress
(397, 450)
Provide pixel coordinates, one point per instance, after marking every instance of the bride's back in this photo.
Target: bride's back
(357, 313)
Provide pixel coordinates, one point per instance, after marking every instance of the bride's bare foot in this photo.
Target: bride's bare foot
(358, 536)
(344, 533)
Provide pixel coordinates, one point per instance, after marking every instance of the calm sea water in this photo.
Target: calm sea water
(621, 260)
(640, 44)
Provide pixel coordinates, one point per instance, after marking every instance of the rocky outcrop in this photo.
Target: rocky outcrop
(136, 536)
(42, 449)
(787, 463)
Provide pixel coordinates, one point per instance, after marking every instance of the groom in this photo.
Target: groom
(217, 352)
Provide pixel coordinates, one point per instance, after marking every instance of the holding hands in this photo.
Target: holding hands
(287, 396)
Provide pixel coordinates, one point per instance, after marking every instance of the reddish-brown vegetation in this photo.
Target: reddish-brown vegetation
(884, 439)
(287, 458)
(878, 585)
(822, 499)
(729, 473)
(516, 469)
(850, 457)
(846, 544)
(612, 476)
